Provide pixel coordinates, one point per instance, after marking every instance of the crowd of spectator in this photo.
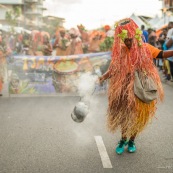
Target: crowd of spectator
(163, 41)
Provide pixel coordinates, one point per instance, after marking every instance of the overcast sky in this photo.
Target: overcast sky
(96, 13)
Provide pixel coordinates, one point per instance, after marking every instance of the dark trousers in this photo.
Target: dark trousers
(171, 67)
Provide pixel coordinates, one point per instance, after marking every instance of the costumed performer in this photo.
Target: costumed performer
(125, 110)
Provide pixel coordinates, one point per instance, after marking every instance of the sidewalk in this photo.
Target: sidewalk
(162, 77)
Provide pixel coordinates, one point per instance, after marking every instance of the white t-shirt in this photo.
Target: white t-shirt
(170, 33)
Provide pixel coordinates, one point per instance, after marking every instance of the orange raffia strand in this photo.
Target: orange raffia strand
(125, 110)
(1, 84)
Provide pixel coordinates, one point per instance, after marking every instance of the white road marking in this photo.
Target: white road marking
(103, 153)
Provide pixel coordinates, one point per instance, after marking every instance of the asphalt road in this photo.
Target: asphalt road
(37, 135)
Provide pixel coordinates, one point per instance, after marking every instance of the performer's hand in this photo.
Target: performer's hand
(101, 80)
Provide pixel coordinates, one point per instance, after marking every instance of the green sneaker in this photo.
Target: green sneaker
(131, 146)
(120, 148)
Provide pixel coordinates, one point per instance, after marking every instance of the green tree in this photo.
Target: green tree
(12, 16)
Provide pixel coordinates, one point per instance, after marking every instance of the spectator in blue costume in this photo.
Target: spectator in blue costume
(144, 33)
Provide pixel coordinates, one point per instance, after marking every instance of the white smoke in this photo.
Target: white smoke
(86, 84)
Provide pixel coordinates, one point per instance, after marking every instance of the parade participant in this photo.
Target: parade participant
(76, 42)
(47, 47)
(38, 44)
(3, 52)
(125, 110)
(95, 41)
(62, 43)
(84, 38)
(107, 28)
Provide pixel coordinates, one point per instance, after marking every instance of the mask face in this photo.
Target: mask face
(128, 42)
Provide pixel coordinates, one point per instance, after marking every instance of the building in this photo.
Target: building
(32, 12)
(52, 19)
(167, 5)
(51, 23)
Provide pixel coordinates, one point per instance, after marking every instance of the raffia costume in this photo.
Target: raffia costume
(125, 110)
